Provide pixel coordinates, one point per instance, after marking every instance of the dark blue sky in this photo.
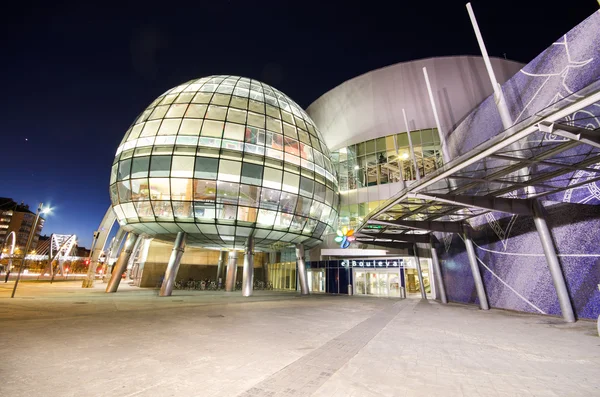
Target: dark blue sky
(76, 75)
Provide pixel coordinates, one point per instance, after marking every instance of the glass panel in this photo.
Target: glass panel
(124, 191)
(212, 128)
(190, 127)
(160, 166)
(249, 195)
(269, 198)
(205, 190)
(159, 189)
(288, 202)
(181, 189)
(162, 209)
(227, 192)
(306, 187)
(247, 214)
(291, 182)
(124, 169)
(252, 173)
(183, 166)
(206, 168)
(234, 131)
(229, 170)
(140, 189)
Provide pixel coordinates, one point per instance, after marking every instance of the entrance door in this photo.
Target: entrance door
(377, 282)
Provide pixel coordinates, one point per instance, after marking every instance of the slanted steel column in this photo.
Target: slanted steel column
(174, 261)
(553, 264)
(121, 265)
(483, 302)
(248, 275)
(231, 270)
(302, 276)
(220, 269)
(438, 274)
(419, 272)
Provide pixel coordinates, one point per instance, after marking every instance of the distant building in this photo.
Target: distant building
(18, 218)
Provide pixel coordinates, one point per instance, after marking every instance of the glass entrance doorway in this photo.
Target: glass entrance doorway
(316, 280)
(377, 282)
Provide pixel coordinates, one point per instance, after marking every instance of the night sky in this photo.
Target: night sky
(76, 75)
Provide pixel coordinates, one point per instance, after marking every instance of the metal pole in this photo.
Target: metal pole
(231, 268)
(27, 246)
(445, 153)
(220, 269)
(412, 150)
(121, 265)
(302, 276)
(438, 273)
(248, 274)
(498, 95)
(419, 273)
(483, 302)
(174, 261)
(88, 282)
(553, 264)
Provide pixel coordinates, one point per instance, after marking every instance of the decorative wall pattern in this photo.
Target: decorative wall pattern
(508, 248)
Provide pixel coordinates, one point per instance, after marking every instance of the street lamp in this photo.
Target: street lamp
(40, 210)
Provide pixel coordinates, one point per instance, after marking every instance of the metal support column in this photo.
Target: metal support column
(248, 275)
(231, 269)
(483, 302)
(419, 273)
(121, 265)
(220, 269)
(438, 274)
(553, 264)
(302, 276)
(174, 261)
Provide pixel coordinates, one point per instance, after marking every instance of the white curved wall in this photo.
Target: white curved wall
(370, 106)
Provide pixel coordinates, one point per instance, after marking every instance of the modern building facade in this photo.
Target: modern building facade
(421, 178)
(18, 218)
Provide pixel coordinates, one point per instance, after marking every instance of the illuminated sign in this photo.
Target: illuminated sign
(374, 263)
(345, 237)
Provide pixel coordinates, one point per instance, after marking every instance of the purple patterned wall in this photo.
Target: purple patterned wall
(508, 248)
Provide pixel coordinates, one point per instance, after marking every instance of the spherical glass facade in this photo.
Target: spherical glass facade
(221, 158)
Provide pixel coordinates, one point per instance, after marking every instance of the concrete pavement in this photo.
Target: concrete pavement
(62, 340)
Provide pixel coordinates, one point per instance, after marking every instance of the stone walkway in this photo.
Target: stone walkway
(62, 340)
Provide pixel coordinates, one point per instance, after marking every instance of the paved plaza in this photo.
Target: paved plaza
(62, 340)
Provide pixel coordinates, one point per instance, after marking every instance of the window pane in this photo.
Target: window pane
(124, 169)
(272, 178)
(212, 128)
(266, 217)
(234, 131)
(298, 223)
(160, 166)
(124, 191)
(190, 127)
(249, 195)
(269, 198)
(195, 111)
(288, 202)
(144, 209)
(183, 166)
(159, 189)
(291, 182)
(252, 173)
(227, 212)
(303, 207)
(181, 189)
(247, 214)
(256, 120)
(182, 209)
(162, 209)
(206, 168)
(216, 112)
(320, 192)
(227, 192)
(205, 210)
(306, 187)
(139, 167)
(205, 190)
(229, 170)
(139, 189)
(169, 127)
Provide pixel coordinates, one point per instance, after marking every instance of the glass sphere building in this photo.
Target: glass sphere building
(222, 158)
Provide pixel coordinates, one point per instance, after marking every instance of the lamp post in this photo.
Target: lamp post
(29, 240)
